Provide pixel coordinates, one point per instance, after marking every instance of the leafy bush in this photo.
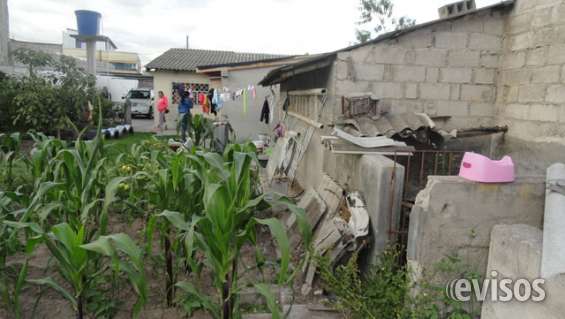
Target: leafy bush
(385, 291)
(380, 293)
(43, 103)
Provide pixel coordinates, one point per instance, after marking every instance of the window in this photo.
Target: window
(139, 95)
(124, 66)
(195, 88)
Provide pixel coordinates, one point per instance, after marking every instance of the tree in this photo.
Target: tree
(381, 12)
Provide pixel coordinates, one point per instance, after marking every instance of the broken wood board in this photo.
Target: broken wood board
(331, 193)
(314, 208)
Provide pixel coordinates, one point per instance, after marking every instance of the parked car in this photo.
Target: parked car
(141, 102)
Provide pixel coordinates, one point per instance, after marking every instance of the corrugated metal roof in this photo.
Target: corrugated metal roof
(190, 59)
(390, 124)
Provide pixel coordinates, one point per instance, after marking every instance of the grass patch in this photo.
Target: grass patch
(123, 144)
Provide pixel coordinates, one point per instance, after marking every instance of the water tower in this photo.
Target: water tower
(88, 25)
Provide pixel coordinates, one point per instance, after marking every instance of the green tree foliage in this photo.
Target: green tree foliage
(45, 102)
(379, 16)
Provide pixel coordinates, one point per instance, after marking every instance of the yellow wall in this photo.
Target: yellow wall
(163, 81)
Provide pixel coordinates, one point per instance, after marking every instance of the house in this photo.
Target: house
(202, 70)
(109, 59)
(499, 66)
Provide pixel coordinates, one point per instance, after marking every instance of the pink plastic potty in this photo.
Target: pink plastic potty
(479, 168)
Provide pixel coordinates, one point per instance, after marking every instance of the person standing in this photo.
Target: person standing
(163, 108)
(185, 107)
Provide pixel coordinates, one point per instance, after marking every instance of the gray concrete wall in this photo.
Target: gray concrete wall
(531, 97)
(453, 216)
(447, 69)
(247, 126)
(515, 253)
(531, 82)
(372, 175)
(49, 48)
(4, 33)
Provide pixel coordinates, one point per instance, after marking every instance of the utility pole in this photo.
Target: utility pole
(187, 44)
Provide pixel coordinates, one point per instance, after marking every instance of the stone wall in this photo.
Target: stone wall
(453, 216)
(446, 69)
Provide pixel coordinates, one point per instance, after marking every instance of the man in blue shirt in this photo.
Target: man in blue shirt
(185, 106)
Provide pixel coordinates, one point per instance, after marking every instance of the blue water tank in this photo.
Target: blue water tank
(88, 22)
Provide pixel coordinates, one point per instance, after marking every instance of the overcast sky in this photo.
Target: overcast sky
(149, 27)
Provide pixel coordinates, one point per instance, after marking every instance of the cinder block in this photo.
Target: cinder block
(489, 60)
(455, 92)
(403, 73)
(514, 60)
(481, 41)
(521, 41)
(556, 54)
(452, 108)
(369, 72)
(468, 24)
(519, 23)
(432, 74)
(484, 76)
(481, 109)
(516, 111)
(477, 93)
(342, 70)
(493, 25)
(516, 76)
(362, 54)
(451, 40)
(546, 74)
(532, 93)
(434, 91)
(544, 112)
(415, 40)
(411, 91)
(463, 58)
(556, 94)
(544, 36)
(542, 17)
(384, 53)
(427, 57)
(388, 90)
(348, 87)
(456, 75)
(537, 56)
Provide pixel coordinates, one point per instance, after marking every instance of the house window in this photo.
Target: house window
(195, 88)
(124, 66)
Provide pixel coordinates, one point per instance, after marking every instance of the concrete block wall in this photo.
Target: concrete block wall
(448, 69)
(453, 216)
(531, 94)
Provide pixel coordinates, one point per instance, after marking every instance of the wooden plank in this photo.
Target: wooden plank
(305, 119)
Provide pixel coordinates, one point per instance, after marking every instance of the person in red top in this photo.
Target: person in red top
(162, 107)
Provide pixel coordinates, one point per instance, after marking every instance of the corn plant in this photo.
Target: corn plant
(175, 186)
(229, 222)
(9, 151)
(79, 266)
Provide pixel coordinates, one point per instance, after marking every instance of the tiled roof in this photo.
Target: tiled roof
(190, 59)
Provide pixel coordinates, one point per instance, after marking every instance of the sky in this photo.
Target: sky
(150, 27)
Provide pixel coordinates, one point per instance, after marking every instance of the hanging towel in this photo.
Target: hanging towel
(265, 112)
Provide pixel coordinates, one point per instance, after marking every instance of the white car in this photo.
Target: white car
(141, 102)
